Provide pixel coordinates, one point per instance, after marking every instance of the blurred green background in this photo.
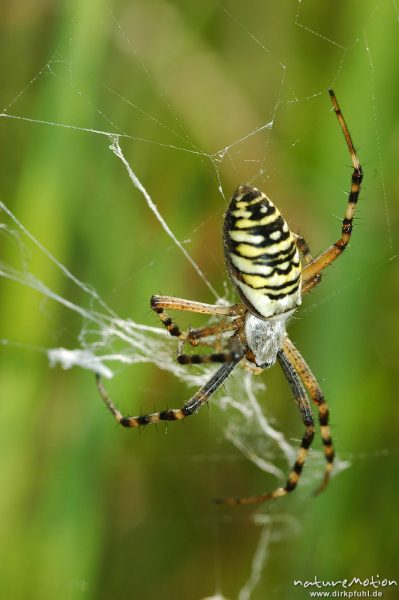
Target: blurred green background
(88, 510)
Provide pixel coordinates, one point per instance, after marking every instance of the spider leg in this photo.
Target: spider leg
(195, 335)
(309, 284)
(307, 419)
(175, 414)
(198, 359)
(160, 303)
(316, 394)
(234, 352)
(329, 255)
(304, 250)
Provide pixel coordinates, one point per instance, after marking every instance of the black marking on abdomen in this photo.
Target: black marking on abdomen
(257, 241)
(282, 286)
(271, 259)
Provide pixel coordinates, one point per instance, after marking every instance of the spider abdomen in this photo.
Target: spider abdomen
(261, 254)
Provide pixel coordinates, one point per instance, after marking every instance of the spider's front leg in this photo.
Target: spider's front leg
(192, 406)
(230, 360)
(316, 394)
(307, 439)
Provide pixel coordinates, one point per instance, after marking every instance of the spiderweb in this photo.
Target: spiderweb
(248, 148)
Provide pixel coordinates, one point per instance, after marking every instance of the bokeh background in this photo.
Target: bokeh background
(91, 511)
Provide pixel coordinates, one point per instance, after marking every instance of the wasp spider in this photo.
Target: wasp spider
(263, 262)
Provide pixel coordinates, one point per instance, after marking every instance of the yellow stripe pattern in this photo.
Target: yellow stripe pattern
(261, 254)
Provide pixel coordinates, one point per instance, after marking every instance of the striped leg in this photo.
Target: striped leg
(195, 335)
(303, 248)
(160, 303)
(314, 391)
(307, 419)
(305, 253)
(200, 359)
(175, 414)
(309, 284)
(327, 257)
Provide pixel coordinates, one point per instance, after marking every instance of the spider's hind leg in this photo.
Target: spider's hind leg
(304, 250)
(313, 269)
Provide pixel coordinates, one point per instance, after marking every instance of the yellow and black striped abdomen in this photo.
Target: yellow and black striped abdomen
(261, 254)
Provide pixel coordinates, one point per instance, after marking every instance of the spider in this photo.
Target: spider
(263, 260)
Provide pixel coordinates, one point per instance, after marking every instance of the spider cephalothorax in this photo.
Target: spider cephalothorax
(263, 262)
